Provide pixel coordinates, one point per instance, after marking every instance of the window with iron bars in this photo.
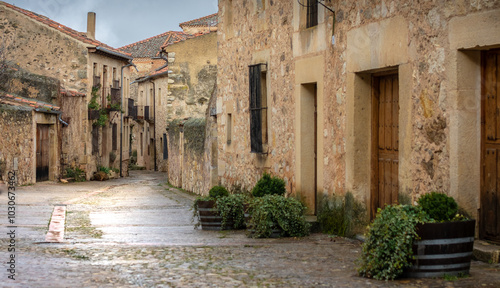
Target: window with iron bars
(258, 107)
(312, 13)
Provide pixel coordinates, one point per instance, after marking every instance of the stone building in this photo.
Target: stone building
(177, 73)
(201, 25)
(193, 66)
(382, 99)
(45, 48)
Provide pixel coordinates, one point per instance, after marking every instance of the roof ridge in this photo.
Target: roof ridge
(148, 39)
(197, 19)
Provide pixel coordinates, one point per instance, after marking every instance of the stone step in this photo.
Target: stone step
(486, 252)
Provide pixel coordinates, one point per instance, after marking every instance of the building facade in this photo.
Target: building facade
(41, 46)
(386, 100)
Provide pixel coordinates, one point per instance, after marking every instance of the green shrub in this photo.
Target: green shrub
(388, 246)
(218, 191)
(438, 206)
(231, 208)
(341, 215)
(76, 173)
(106, 170)
(268, 185)
(277, 212)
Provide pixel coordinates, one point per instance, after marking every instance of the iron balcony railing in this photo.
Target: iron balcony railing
(148, 115)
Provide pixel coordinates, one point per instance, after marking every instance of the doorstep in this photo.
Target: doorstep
(486, 252)
(313, 220)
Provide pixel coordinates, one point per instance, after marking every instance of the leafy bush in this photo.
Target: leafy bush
(388, 246)
(104, 169)
(76, 173)
(218, 191)
(268, 185)
(438, 206)
(341, 215)
(277, 212)
(231, 209)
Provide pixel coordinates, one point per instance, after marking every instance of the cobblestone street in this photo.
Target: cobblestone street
(137, 232)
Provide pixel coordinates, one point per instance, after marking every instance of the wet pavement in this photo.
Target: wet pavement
(137, 232)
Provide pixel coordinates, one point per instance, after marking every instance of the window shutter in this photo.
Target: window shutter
(165, 147)
(114, 136)
(255, 109)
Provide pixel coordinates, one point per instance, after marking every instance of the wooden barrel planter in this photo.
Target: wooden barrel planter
(210, 218)
(443, 249)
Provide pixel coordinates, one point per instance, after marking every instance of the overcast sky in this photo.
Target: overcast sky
(121, 22)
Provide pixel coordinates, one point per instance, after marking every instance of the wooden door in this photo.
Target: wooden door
(490, 126)
(385, 130)
(42, 152)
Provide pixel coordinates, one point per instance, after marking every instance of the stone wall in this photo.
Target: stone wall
(193, 63)
(439, 89)
(42, 50)
(17, 144)
(192, 153)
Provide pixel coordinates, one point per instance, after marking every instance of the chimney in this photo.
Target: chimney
(91, 25)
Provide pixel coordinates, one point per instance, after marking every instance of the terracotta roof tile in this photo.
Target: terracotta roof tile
(10, 99)
(211, 20)
(80, 36)
(151, 47)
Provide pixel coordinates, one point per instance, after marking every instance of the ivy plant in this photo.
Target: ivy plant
(388, 246)
(231, 209)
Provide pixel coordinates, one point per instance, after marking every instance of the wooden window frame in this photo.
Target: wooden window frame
(258, 107)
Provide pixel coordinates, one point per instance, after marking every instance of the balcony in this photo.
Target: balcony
(96, 81)
(93, 114)
(147, 115)
(131, 111)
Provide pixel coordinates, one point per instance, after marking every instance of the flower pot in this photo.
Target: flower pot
(210, 218)
(443, 249)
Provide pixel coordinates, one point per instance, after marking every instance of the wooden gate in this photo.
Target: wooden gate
(385, 129)
(490, 131)
(42, 152)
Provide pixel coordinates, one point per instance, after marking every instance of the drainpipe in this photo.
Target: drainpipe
(154, 127)
(59, 113)
(121, 113)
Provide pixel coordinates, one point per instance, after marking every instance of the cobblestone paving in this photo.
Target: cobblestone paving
(139, 234)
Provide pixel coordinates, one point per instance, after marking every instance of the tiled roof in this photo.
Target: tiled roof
(71, 93)
(151, 47)
(10, 99)
(189, 36)
(158, 73)
(211, 20)
(80, 36)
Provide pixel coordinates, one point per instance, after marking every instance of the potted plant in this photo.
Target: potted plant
(428, 240)
(220, 210)
(205, 210)
(445, 243)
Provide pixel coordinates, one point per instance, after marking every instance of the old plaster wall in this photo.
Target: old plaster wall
(193, 63)
(17, 143)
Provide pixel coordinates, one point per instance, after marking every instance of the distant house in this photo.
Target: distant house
(177, 73)
(88, 71)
